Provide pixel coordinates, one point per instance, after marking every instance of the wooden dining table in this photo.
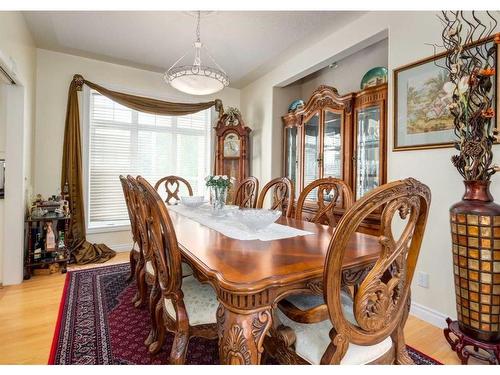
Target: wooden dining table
(251, 277)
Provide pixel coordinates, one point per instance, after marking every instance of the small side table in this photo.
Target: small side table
(466, 346)
(60, 255)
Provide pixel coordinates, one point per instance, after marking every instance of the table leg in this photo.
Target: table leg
(241, 334)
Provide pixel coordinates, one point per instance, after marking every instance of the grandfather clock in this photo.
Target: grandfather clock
(232, 154)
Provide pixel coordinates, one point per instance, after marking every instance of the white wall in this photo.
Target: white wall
(17, 44)
(346, 77)
(408, 36)
(54, 74)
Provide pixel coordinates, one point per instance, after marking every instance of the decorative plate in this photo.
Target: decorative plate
(374, 77)
(296, 104)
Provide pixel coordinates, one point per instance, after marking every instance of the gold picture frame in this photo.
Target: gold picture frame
(418, 137)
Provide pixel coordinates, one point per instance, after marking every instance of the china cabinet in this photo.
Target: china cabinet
(341, 136)
(370, 146)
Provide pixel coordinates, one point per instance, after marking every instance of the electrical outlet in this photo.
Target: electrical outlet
(423, 279)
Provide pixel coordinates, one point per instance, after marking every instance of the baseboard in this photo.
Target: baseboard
(428, 315)
(120, 248)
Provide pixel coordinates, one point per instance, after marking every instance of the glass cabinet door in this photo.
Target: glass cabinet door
(291, 161)
(368, 150)
(332, 145)
(311, 150)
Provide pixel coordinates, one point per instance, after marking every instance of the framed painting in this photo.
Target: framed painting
(422, 119)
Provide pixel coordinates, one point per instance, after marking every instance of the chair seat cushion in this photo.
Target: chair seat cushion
(313, 339)
(186, 270)
(200, 301)
(306, 302)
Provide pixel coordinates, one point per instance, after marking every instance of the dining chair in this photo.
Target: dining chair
(367, 328)
(135, 251)
(147, 270)
(172, 186)
(283, 195)
(330, 193)
(186, 307)
(247, 192)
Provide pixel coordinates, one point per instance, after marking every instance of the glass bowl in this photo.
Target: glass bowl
(193, 201)
(256, 219)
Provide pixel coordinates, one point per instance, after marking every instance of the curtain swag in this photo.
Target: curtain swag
(71, 176)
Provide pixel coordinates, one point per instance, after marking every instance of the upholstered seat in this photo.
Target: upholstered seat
(186, 270)
(313, 339)
(306, 302)
(200, 301)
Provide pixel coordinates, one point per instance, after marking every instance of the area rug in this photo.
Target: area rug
(98, 325)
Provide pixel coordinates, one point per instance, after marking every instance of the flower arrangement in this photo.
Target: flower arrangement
(219, 186)
(233, 115)
(470, 63)
(219, 181)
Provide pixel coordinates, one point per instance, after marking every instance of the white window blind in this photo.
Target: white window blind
(123, 141)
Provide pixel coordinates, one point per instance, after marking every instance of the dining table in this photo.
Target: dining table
(250, 277)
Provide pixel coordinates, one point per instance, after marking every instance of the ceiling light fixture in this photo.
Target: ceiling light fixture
(197, 79)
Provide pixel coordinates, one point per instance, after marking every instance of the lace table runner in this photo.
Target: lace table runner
(226, 225)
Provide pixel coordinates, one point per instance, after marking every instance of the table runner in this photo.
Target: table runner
(230, 228)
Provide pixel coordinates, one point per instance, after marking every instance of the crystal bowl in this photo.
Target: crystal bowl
(193, 201)
(256, 219)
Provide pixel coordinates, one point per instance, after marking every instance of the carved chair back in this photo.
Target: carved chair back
(162, 241)
(140, 216)
(283, 195)
(246, 194)
(330, 193)
(380, 302)
(128, 195)
(172, 186)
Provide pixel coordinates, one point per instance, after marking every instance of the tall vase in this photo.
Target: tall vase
(218, 196)
(475, 231)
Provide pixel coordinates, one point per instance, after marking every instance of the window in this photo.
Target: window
(124, 141)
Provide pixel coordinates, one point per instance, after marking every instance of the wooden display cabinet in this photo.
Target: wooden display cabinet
(341, 136)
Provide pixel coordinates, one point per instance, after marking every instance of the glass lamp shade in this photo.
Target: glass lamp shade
(195, 80)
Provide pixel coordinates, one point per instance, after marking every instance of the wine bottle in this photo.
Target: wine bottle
(50, 240)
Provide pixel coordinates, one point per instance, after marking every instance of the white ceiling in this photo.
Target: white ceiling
(246, 44)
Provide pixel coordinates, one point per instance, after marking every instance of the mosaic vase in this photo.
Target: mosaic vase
(475, 231)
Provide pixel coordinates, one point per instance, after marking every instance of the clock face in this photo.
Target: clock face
(231, 145)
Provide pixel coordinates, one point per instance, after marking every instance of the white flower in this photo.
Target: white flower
(233, 179)
(461, 88)
(224, 177)
(208, 178)
(463, 85)
(216, 178)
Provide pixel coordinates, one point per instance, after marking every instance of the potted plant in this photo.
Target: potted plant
(475, 220)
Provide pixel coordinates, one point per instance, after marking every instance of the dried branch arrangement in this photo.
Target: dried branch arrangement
(471, 65)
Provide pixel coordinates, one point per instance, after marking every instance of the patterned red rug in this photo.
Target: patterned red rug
(97, 325)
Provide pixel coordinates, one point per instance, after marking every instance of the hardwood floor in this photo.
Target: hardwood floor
(28, 314)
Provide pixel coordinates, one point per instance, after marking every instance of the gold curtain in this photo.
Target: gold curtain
(83, 251)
